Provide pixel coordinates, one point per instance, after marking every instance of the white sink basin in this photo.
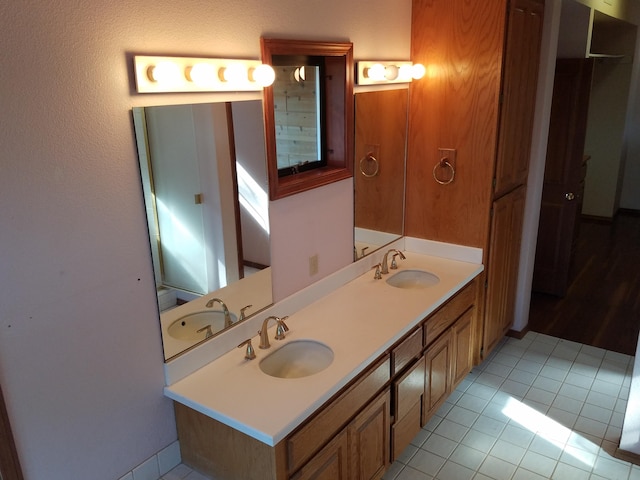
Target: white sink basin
(298, 358)
(186, 328)
(413, 279)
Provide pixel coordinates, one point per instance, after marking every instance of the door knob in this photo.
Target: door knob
(569, 196)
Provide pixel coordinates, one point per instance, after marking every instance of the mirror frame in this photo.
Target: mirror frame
(338, 118)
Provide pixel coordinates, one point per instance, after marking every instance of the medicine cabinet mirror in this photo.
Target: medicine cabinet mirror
(308, 114)
(205, 188)
(379, 171)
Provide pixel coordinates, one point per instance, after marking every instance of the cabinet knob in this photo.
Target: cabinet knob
(569, 196)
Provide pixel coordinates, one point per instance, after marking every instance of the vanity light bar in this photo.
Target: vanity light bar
(380, 73)
(189, 74)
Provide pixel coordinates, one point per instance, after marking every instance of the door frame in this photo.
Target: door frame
(9, 462)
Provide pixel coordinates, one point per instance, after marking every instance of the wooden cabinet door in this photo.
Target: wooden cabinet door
(330, 463)
(462, 342)
(437, 382)
(408, 391)
(519, 84)
(503, 264)
(369, 441)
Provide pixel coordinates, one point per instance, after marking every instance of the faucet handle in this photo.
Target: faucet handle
(242, 316)
(281, 328)
(394, 264)
(249, 353)
(209, 333)
(378, 274)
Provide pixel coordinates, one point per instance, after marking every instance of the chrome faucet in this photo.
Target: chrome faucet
(206, 328)
(249, 353)
(242, 314)
(385, 266)
(378, 274)
(225, 310)
(280, 330)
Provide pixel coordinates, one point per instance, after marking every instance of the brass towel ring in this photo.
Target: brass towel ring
(370, 159)
(444, 163)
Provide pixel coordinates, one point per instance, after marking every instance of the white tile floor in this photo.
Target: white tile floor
(537, 408)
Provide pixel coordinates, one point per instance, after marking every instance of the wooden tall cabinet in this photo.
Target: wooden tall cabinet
(518, 98)
(519, 84)
(478, 98)
(502, 267)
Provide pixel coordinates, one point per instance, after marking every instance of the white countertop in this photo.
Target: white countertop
(359, 321)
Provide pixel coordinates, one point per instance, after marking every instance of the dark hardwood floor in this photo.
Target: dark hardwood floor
(602, 305)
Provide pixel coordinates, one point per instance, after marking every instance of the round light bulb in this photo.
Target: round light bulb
(376, 72)
(391, 72)
(164, 72)
(418, 71)
(234, 73)
(300, 74)
(201, 73)
(263, 75)
(405, 73)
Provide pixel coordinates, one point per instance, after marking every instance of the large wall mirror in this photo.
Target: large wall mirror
(308, 114)
(205, 187)
(379, 173)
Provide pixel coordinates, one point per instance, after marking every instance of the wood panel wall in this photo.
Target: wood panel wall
(456, 105)
(296, 116)
(381, 130)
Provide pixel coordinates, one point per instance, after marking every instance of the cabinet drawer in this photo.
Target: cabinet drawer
(403, 354)
(448, 313)
(405, 430)
(321, 428)
(409, 389)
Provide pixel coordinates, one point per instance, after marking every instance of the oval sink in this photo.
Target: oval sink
(298, 358)
(413, 279)
(186, 328)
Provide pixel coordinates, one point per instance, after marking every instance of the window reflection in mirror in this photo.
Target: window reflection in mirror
(298, 114)
(205, 187)
(379, 173)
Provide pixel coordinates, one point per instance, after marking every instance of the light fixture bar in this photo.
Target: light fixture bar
(385, 72)
(192, 74)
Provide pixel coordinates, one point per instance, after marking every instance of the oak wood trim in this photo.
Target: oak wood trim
(339, 116)
(9, 462)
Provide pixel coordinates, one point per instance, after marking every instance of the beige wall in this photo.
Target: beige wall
(80, 350)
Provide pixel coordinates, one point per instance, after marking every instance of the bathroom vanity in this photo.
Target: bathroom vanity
(398, 351)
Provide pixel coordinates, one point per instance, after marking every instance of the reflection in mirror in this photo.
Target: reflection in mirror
(205, 187)
(308, 114)
(379, 177)
(297, 115)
